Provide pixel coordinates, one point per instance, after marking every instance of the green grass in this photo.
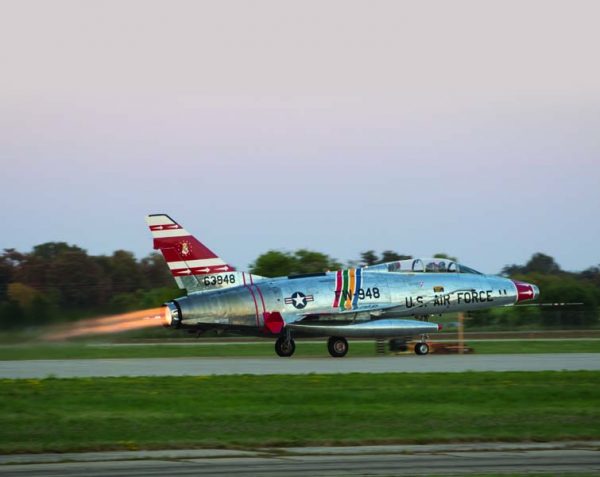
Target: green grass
(303, 349)
(255, 411)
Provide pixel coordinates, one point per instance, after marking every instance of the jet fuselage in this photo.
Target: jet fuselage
(368, 295)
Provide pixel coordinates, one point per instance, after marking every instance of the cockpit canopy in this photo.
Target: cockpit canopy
(424, 265)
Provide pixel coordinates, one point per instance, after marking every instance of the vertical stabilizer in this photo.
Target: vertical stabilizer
(194, 266)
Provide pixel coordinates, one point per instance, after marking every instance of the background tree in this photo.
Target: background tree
(124, 272)
(446, 256)
(6, 274)
(155, 271)
(50, 250)
(391, 256)
(275, 263)
(538, 263)
(368, 258)
(371, 258)
(77, 278)
(308, 261)
(541, 263)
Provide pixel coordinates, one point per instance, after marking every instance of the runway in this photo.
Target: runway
(449, 459)
(71, 368)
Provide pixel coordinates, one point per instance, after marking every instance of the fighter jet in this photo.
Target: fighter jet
(389, 300)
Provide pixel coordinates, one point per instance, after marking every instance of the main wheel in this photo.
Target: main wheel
(337, 346)
(421, 348)
(285, 348)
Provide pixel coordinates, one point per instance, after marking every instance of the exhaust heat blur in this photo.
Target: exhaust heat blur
(111, 324)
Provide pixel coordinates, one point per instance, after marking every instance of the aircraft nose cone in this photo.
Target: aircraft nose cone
(526, 291)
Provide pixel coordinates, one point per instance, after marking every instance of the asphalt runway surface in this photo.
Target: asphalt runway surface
(70, 368)
(442, 459)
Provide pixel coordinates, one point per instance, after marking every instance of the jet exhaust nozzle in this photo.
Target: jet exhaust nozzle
(172, 315)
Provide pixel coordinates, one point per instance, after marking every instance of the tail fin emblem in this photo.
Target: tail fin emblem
(186, 248)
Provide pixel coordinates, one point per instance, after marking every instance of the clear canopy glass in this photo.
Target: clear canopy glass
(424, 265)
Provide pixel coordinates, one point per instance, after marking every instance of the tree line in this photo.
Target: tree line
(56, 281)
(556, 286)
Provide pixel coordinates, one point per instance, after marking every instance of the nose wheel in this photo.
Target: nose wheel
(421, 348)
(285, 347)
(337, 346)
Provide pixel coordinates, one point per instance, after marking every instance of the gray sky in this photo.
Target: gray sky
(470, 127)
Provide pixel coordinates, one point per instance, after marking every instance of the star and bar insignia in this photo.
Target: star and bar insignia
(299, 300)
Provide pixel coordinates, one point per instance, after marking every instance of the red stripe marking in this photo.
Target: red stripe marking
(251, 279)
(244, 277)
(261, 297)
(338, 289)
(170, 254)
(211, 270)
(202, 270)
(255, 304)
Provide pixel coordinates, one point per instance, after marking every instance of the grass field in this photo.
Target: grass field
(256, 411)
(303, 349)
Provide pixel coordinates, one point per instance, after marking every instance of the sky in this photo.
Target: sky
(465, 127)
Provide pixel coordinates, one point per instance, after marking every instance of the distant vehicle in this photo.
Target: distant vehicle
(375, 301)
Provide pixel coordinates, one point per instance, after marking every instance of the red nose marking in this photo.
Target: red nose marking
(439, 327)
(524, 291)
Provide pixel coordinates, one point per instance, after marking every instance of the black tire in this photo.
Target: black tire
(285, 348)
(337, 346)
(422, 349)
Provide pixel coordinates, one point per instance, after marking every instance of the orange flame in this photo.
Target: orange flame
(111, 324)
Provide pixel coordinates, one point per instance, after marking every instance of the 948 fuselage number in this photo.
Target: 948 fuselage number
(363, 294)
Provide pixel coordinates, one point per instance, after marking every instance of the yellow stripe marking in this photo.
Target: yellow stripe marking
(351, 285)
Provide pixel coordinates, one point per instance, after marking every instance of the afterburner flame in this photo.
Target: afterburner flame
(111, 324)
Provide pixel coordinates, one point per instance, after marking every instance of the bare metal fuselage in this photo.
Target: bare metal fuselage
(379, 307)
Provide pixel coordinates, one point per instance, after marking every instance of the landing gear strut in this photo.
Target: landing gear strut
(337, 346)
(285, 346)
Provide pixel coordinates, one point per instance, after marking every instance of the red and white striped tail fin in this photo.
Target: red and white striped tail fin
(185, 254)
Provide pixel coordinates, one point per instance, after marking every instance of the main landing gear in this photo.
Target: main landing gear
(285, 346)
(337, 346)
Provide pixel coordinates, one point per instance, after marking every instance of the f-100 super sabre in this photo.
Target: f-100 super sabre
(388, 300)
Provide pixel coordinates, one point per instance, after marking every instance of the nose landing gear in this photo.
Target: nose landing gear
(421, 348)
